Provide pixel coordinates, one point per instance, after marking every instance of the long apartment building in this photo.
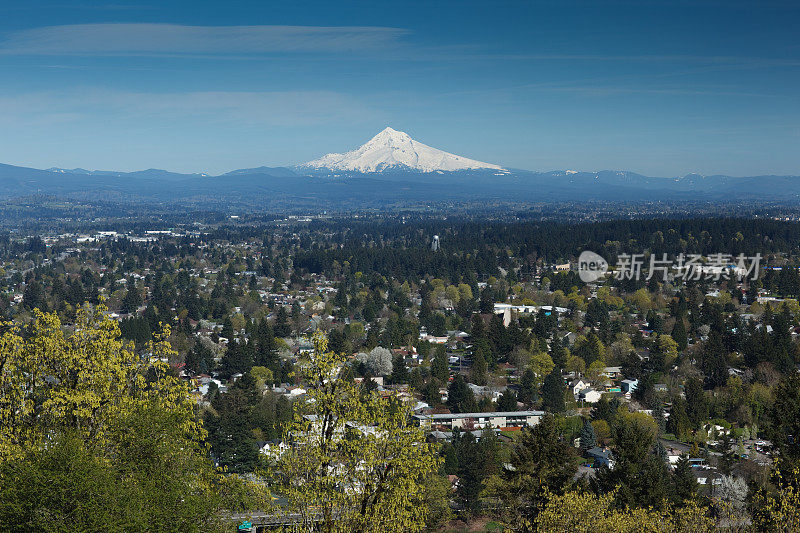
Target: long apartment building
(497, 420)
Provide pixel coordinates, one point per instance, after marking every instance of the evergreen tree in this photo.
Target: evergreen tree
(440, 367)
(478, 373)
(430, 393)
(527, 387)
(679, 334)
(602, 410)
(553, 393)
(784, 418)
(450, 454)
(728, 455)
(478, 328)
(132, 299)
(282, 328)
(499, 339)
(507, 401)
(237, 359)
(541, 464)
(654, 321)
(199, 360)
(659, 417)
(470, 472)
(460, 398)
(714, 361)
(227, 329)
(487, 301)
(591, 349)
(696, 403)
(678, 423)
(266, 352)
(336, 340)
(490, 449)
(683, 481)
(34, 297)
(639, 474)
(587, 436)
(399, 371)
(559, 355)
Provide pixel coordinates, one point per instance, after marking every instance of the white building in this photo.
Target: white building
(501, 419)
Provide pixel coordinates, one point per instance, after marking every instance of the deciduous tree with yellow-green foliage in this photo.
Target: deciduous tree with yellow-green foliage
(94, 436)
(356, 461)
(585, 513)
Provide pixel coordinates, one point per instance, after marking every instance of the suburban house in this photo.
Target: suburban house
(600, 456)
(578, 385)
(629, 385)
(569, 338)
(590, 395)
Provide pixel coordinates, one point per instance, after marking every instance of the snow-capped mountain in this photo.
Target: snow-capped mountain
(396, 150)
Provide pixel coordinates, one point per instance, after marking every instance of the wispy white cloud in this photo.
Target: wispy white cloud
(174, 39)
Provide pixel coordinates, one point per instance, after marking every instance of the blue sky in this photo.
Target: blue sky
(658, 87)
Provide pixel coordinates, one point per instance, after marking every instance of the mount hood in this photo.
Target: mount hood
(396, 150)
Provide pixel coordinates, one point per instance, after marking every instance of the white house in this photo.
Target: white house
(590, 395)
(577, 386)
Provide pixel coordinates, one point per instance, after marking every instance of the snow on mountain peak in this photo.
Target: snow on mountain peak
(392, 149)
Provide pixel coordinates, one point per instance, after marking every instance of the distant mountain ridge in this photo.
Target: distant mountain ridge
(391, 169)
(149, 173)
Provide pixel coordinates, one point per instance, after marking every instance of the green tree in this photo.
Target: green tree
(229, 429)
(440, 367)
(590, 348)
(227, 329)
(263, 376)
(132, 299)
(679, 334)
(470, 472)
(430, 393)
(200, 359)
(92, 435)
(553, 391)
(542, 364)
(784, 418)
(584, 512)
(357, 441)
(399, 371)
(678, 422)
(437, 499)
(460, 398)
(714, 361)
(542, 464)
(237, 359)
(559, 355)
(639, 474)
(696, 403)
(683, 481)
(479, 373)
(587, 436)
(507, 401)
(527, 387)
(282, 327)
